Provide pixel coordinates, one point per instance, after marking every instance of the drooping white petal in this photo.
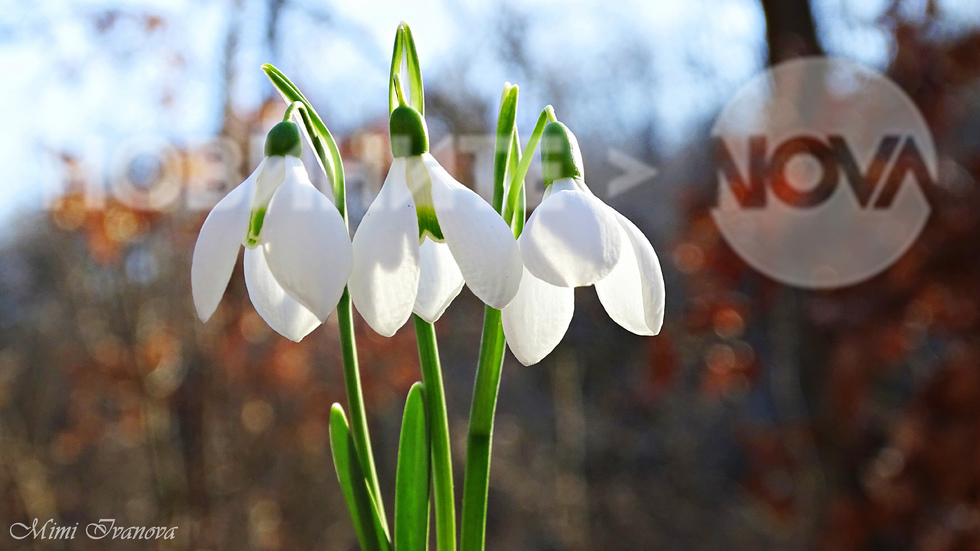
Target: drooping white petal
(217, 246)
(481, 242)
(288, 317)
(385, 274)
(633, 294)
(306, 242)
(537, 319)
(571, 239)
(440, 280)
(270, 175)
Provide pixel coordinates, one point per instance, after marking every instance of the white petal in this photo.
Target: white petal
(440, 280)
(288, 317)
(271, 175)
(217, 246)
(633, 294)
(481, 242)
(571, 239)
(307, 243)
(385, 274)
(537, 319)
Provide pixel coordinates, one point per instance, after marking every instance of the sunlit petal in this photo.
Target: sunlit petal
(633, 294)
(217, 246)
(288, 317)
(270, 175)
(307, 243)
(481, 242)
(440, 280)
(571, 239)
(385, 274)
(537, 319)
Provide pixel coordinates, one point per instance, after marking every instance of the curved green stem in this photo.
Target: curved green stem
(547, 115)
(288, 115)
(508, 162)
(355, 400)
(442, 468)
(328, 156)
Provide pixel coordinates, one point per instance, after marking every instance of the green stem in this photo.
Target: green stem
(328, 155)
(288, 115)
(479, 437)
(476, 483)
(442, 468)
(547, 115)
(355, 399)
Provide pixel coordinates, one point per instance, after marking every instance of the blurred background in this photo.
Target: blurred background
(762, 417)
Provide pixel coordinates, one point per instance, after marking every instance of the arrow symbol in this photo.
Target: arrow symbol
(636, 172)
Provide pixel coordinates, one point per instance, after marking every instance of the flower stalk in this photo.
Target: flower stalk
(328, 157)
(508, 161)
(408, 137)
(442, 467)
(422, 239)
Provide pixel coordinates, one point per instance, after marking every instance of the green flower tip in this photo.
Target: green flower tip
(283, 140)
(560, 154)
(409, 135)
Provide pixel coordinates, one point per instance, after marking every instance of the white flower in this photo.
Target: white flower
(573, 239)
(422, 237)
(297, 249)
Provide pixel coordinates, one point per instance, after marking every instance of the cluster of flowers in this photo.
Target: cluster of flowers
(422, 238)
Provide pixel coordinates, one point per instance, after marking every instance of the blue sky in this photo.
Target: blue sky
(68, 87)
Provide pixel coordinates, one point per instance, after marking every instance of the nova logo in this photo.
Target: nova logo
(834, 158)
(821, 165)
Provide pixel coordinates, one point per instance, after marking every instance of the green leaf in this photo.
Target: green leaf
(412, 477)
(364, 511)
(405, 54)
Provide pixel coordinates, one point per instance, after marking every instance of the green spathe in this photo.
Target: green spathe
(560, 154)
(283, 139)
(409, 135)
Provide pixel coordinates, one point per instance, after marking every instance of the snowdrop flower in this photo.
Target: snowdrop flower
(424, 235)
(297, 249)
(573, 239)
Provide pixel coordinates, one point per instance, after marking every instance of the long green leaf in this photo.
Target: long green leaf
(412, 476)
(371, 534)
